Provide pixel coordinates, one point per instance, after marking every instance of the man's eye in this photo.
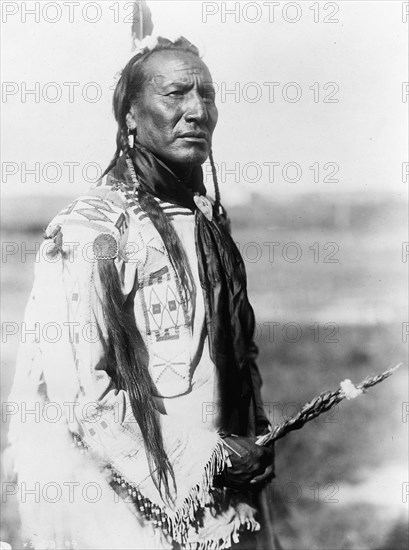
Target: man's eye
(209, 95)
(175, 93)
(209, 98)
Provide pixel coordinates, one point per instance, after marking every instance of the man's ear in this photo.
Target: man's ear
(130, 121)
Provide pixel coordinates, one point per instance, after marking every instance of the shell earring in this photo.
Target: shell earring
(131, 138)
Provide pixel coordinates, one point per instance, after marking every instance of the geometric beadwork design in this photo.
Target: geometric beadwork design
(121, 223)
(93, 214)
(68, 209)
(75, 297)
(164, 309)
(160, 366)
(98, 204)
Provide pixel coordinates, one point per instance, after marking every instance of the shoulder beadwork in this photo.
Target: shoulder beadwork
(98, 217)
(101, 209)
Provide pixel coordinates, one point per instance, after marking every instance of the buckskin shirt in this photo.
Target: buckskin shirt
(82, 448)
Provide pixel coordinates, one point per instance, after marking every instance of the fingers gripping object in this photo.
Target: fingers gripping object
(248, 463)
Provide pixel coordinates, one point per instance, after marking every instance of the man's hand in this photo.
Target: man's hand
(251, 464)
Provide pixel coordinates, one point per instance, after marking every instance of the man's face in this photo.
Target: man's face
(176, 113)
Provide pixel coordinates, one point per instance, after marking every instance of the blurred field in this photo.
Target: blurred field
(341, 480)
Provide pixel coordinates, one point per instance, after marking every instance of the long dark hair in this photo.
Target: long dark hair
(130, 352)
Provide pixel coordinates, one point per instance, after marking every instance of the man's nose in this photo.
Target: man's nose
(196, 110)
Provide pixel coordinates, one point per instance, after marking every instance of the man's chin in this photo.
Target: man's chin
(190, 158)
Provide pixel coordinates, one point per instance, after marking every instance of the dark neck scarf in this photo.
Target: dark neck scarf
(229, 316)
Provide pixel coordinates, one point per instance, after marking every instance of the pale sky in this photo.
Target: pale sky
(270, 58)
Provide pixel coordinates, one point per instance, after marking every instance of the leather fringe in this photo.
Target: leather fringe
(176, 525)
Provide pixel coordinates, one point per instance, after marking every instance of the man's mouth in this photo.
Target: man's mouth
(195, 136)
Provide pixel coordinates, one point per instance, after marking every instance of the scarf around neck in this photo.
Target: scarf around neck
(229, 315)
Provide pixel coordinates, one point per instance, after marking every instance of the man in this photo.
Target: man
(155, 374)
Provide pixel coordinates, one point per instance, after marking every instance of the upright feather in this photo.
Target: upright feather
(142, 24)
